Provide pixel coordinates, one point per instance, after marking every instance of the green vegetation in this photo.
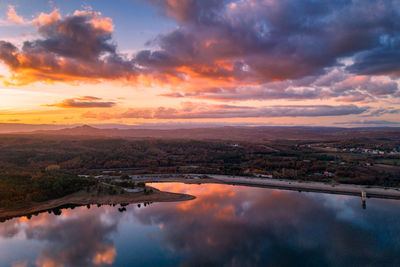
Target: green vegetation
(18, 188)
(125, 184)
(38, 168)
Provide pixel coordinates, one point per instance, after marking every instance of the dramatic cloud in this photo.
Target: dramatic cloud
(265, 50)
(272, 40)
(77, 47)
(83, 102)
(191, 110)
(384, 58)
(335, 84)
(345, 51)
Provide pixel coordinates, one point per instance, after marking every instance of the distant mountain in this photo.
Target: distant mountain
(21, 127)
(252, 134)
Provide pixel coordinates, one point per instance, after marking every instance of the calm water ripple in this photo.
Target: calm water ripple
(224, 226)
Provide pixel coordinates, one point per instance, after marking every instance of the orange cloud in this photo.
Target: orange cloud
(98, 21)
(44, 18)
(74, 48)
(106, 256)
(13, 17)
(226, 213)
(218, 52)
(60, 241)
(83, 102)
(87, 54)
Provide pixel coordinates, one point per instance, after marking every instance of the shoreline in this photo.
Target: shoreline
(82, 199)
(306, 186)
(343, 189)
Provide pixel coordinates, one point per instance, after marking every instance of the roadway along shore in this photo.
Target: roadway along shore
(344, 189)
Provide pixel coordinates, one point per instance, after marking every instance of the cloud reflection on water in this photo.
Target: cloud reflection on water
(224, 226)
(239, 226)
(79, 237)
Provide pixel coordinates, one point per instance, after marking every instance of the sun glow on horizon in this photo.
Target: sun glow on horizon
(226, 74)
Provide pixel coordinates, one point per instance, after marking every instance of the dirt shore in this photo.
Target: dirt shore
(82, 198)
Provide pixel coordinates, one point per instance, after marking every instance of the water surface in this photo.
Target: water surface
(224, 226)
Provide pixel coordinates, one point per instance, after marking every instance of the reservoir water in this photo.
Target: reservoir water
(224, 226)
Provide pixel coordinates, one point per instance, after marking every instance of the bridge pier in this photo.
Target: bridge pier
(363, 199)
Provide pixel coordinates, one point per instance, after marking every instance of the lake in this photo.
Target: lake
(224, 226)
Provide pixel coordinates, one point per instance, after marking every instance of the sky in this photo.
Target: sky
(242, 62)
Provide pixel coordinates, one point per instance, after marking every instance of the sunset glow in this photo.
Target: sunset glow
(146, 62)
(199, 133)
